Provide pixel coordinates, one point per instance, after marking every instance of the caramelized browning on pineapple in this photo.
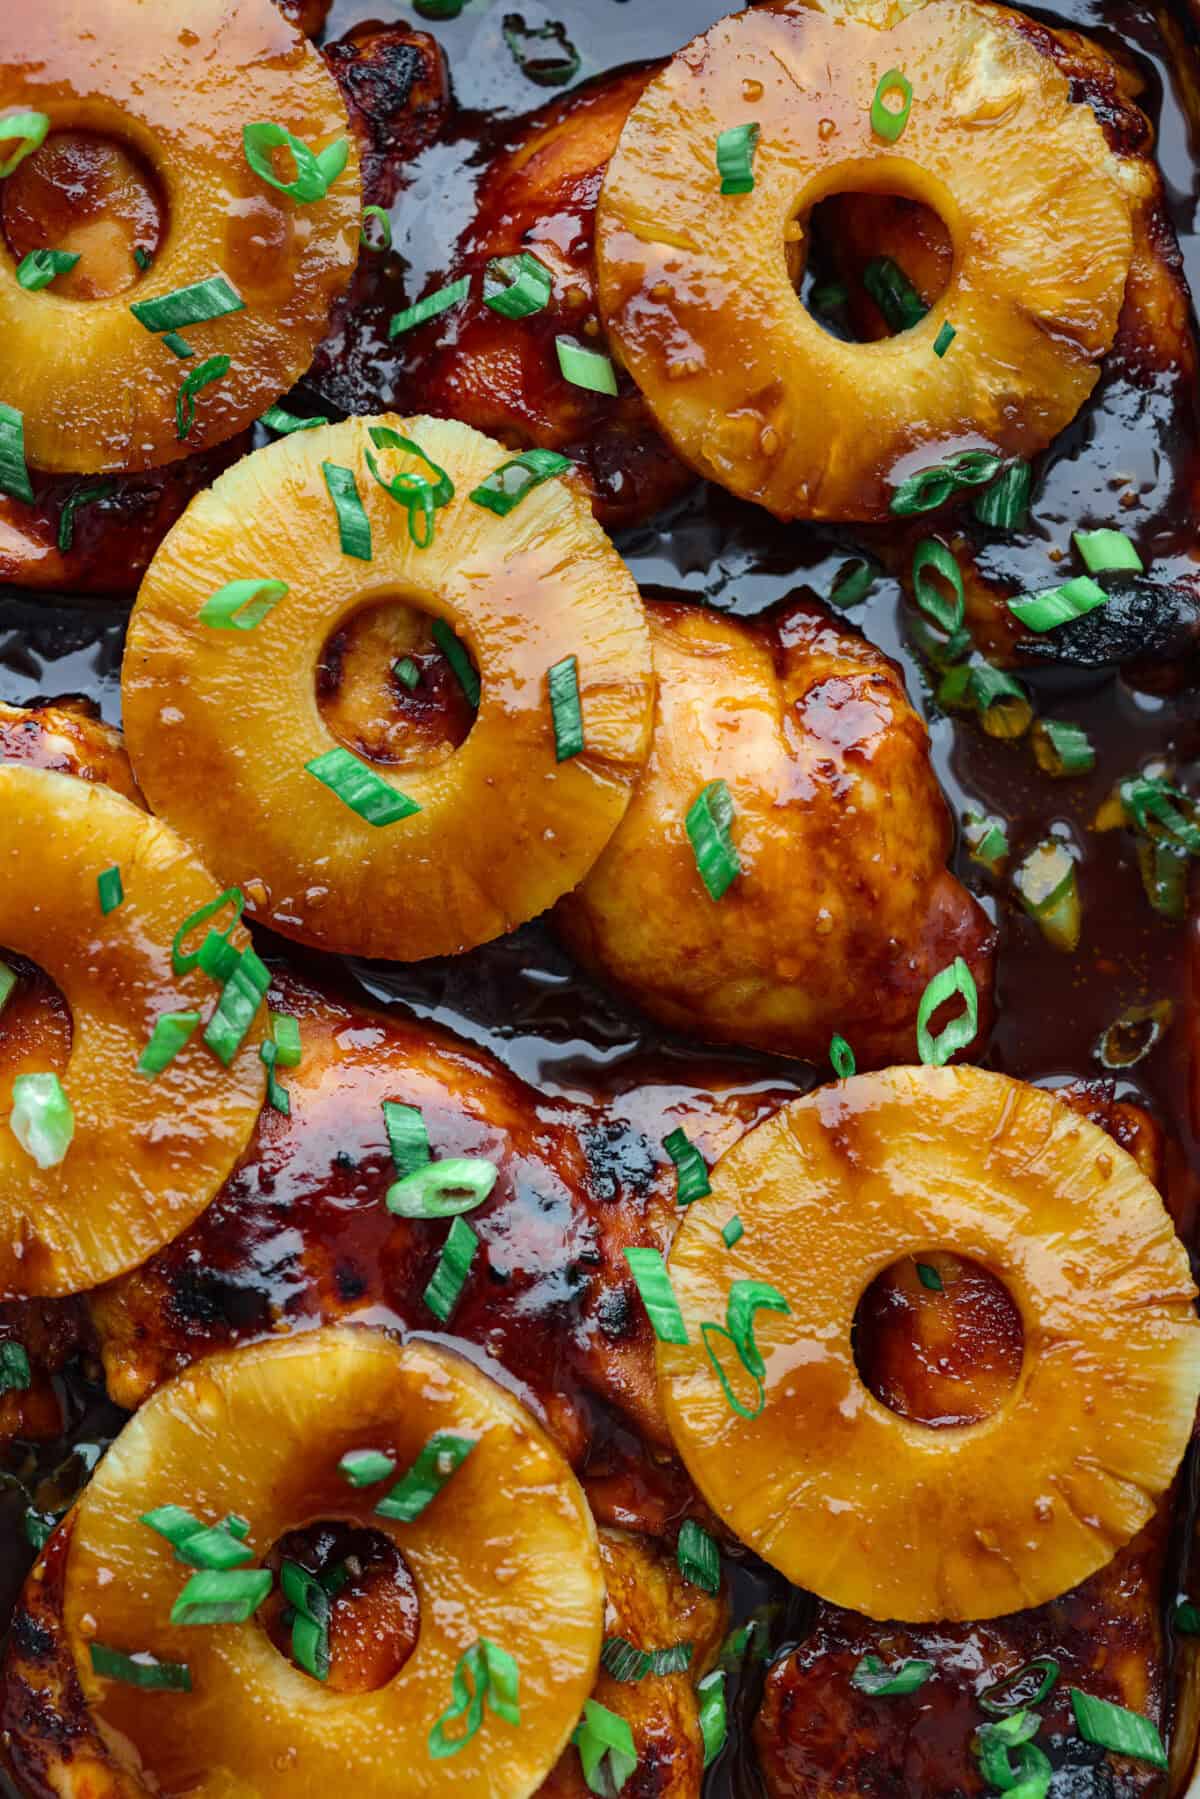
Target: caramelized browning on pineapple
(67, 738)
(857, 1502)
(695, 284)
(843, 910)
(461, 850)
(153, 113)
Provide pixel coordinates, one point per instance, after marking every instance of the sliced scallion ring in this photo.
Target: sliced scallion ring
(16, 1376)
(278, 418)
(932, 487)
(887, 121)
(431, 307)
(315, 172)
(464, 669)
(366, 1467)
(1056, 606)
(523, 285)
(453, 1267)
(1105, 550)
(213, 368)
(1048, 889)
(196, 304)
(582, 367)
(415, 1491)
(945, 337)
(565, 711)
(242, 605)
(219, 1596)
(408, 1138)
(698, 1557)
(29, 129)
(732, 1231)
(852, 583)
(42, 1119)
(177, 345)
(623, 1662)
(110, 890)
(8, 981)
(893, 293)
(841, 1057)
(708, 827)
(14, 471)
(277, 1094)
(375, 800)
(1062, 749)
(893, 1680)
(380, 240)
(171, 1032)
(354, 527)
(735, 158)
(183, 961)
(80, 496)
(507, 486)
(929, 1277)
(1004, 503)
(1130, 1039)
(442, 1189)
(658, 1296)
(242, 994)
(691, 1170)
(141, 1670)
(932, 558)
(41, 267)
(714, 1722)
(954, 979)
(987, 841)
(1000, 1699)
(544, 71)
(1114, 1727)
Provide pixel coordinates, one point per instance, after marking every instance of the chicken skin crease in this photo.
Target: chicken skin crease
(843, 910)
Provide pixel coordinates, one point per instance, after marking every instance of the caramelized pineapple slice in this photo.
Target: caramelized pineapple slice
(876, 1511)
(695, 285)
(222, 724)
(505, 1551)
(145, 153)
(146, 1155)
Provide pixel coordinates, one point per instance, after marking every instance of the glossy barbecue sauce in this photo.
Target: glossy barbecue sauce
(522, 999)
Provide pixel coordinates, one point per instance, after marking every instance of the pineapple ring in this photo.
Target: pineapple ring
(507, 1552)
(698, 297)
(176, 82)
(874, 1511)
(220, 725)
(146, 1156)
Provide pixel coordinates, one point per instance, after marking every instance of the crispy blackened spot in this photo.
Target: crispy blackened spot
(615, 1314)
(31, 1639)
(619, 1159)
(396, 87)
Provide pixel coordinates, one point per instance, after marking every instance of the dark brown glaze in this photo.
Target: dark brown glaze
(90, 196)
(375, 713)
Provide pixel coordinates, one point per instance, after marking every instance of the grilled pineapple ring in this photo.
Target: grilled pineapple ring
(221, 724)
(874, 1511)
(176, 81)
(146, 1155)
(695, 284)
(507, 1552)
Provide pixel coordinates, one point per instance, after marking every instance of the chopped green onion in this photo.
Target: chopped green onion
(745, 1299)
(893, 293)
(177, 345)
(829, 297)
(929, 1277)
(852, 583)
(315, 173)
(364, 1467)
(998, 1699)
(691, 1171)
(442, 1189)
(213, 1547)
(930, 554)
(841, 1058)
(142, 257)
(81, 496)
(545, 71)
(1186, 1618)
(16, 1376)
(1103, 550)
(242, 994)
(1164, 878)
(887, 121)
(360, 788)
(416, 493)
(442, 1456)
(606, 1749)
(507, 486)
(698, 1557)
(439, 9)
(932, 487)
(304, 1591)
(944, 338)
(174, 1523)
(285, 1030)
(277, 418)
(582, 367)
(707, 826)
(1004, 504)
(987, 841)
(732, 1231)
(1062, 749)
(109, 889)
(222, 1596)
(459, 660)
(714, 1722)
(41, 267)
(1059, 605)
(1149, 799)
(1030, 1778)
(623, 1662)
(565, 709)
(1047, 887)
(42, 1120)
(735, 158)
(955, 979)
(709, 1332)
(354, 527)
(430, 307)
(141, 1670)
(658, 1296)
(218, 957)
(1003, 704)
(882, 1681)
(310, 1646)
(1112, 1727)
(496, 1680)
(203, 300)
(203, 375)
(382, 243)
(310, 1618)
(278, 1097)
(526, 285)
(8, 981)
(30, 128)
(171, 1032)
(407, 673)
(407, 1137)
(232, 896)
(1130, 1039)
(242, 605)
(453, 1266)
(14, 471)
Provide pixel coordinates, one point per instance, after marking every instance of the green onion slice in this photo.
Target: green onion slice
(732, 1231)
(698, 1557)
(209, 299)
(887, 121)
(81, 496)
(277, 418)
(109, 889)
(174, 1523)
(545, 71)
(42, 1119)
(852, 583)
(929, 1277)
(41, 267)
(745, 1299)
(658, 1296)
(8, 981)
(1003, 704)
(582, 367)
(507, 486)
(932, 487)
(841, 1057)
(894, 294)
(442, 1189)
(1164, 877)
(430, 307)
(244, 990)
(278, 1097)
(1130, 1038)
(242, 605)
(354, 527)
(986, 839)
(932, 555)
(709, 1334)
(30, 128)
(304, 1592)
(1062, 749)
(453, 1266)
(16, 1376)
(1000, 1699)
(944, 338)
(177, 345)
(1103, 550)
(407, 673)
(439, 9)
(625, 1663)
(1186, 1618)
(182, 962)
(691, 1170)
(714, 1722)
(1004, 504)
(285, 1031)
(606, 1748)
(315, 173)
(525, 286)
(565, 709)
(707, 826)
(441, 1458)
(459, 660)
(994, 1744)
(407, 1137)
(380, 241)
(1150, 801)
(1059, 605)
(213, 1547)
(171, 1032)
(494, 1678)
(364, 1467)
(360, 788)
(416, 493)
(1048, 889)
(1113, 1727)
(222, 1596)
(203, 375)
(957, 978)
(310, 1645)
(14, 471)
(142, 1670)
(735, 158)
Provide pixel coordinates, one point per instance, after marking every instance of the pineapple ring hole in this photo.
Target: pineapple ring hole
(35, 1025)
(90, 195)
(938, 1339)
(375, 1614)
(846, 231)
(371, 709)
